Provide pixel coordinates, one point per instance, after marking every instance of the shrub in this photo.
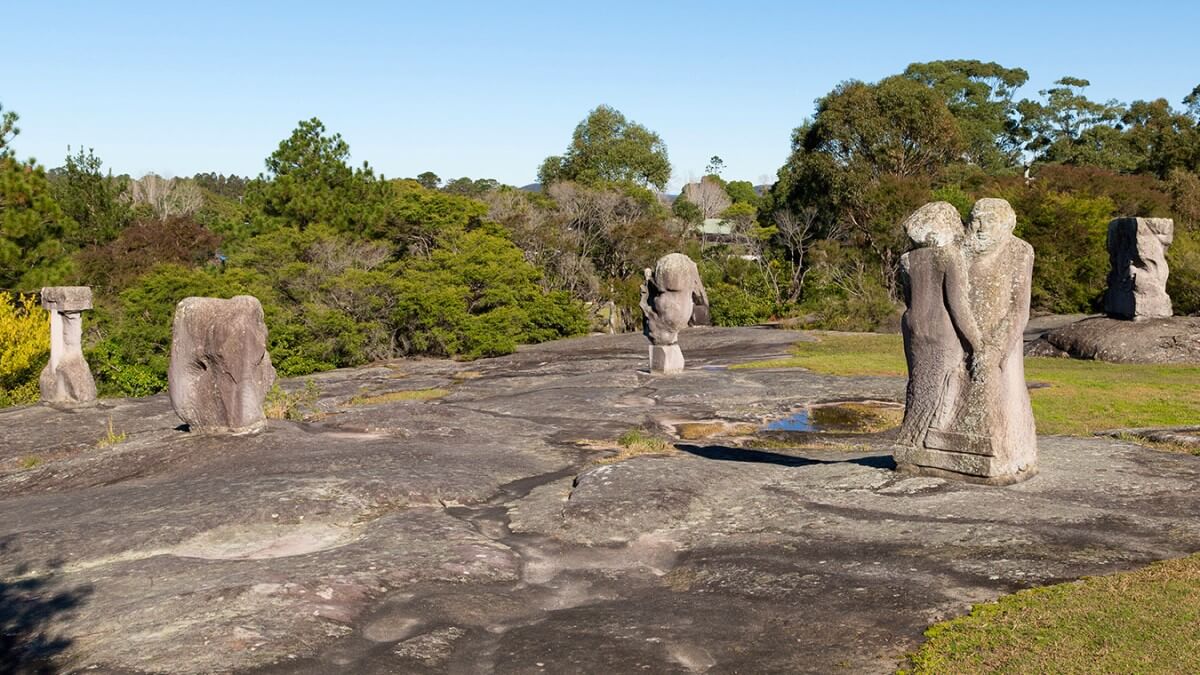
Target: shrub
(24, 348)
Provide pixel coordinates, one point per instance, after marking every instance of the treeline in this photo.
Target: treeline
(353, 267)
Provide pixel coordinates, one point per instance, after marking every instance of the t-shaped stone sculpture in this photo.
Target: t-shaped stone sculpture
(967, 413)
(1137, 282)
(66, 380)
(220, 370)
(670, 293)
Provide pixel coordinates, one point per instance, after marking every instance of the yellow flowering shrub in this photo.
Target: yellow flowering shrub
(24, 347)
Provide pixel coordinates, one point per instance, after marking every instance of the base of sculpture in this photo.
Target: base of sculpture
(961, 466)
(666, 360)
(228, 431)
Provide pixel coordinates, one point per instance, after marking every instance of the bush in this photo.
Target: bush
(1183, 284)
(24, 348)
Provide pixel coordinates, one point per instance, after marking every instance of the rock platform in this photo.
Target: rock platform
(490, 530)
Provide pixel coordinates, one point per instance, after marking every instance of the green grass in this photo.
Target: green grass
(1083, 396)
(1134, 622)
(393, 396)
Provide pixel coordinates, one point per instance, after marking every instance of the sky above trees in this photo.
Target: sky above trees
(492, 89)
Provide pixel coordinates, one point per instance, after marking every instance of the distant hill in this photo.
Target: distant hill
(532, 187)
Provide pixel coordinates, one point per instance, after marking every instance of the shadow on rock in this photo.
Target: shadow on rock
(729, 454)
(29, 603)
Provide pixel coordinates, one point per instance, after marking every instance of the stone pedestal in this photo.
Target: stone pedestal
(220, 370)
(1137, 280)
(666, 360)
(66, 380)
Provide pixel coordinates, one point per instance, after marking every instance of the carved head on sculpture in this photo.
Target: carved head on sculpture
(992, 222)
(937, 224)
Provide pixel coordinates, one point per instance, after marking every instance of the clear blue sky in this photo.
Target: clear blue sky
(489, 89)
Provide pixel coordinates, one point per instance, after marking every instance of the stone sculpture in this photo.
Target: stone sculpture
(220, 370)
(1137, 281)
(967, 294)
(670, 294)
(66, 381)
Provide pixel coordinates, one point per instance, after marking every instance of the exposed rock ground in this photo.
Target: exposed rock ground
(1170, 340)
(475, 533)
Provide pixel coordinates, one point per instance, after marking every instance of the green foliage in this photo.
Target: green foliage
(608, 148)
(33, 228)
(980, 97)
(309, 181)
(1183, 284)
(843, 292)
(281, 405)
(478, 297)
(131, 359)
(24, 347)
(95, 201)
(1068, 234)
(742, 192)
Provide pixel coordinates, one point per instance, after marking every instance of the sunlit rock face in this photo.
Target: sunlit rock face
(220, 370)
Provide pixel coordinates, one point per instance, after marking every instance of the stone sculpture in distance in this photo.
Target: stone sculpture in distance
(220, 370)
(66, 381)
(1137, 280)
(670, 293)
(967, 293)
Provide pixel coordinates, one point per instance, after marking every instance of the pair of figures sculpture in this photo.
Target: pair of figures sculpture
(967, 294)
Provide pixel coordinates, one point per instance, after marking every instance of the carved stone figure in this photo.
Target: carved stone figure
(220, 370)
(939, 328)
(1137, 281)
(670, 293)
(968, 414)
(66, 381)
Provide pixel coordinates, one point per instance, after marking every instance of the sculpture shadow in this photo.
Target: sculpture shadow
(725, 453)
(29, 603)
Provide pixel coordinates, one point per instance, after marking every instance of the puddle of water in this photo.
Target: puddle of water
(795, 422)
(853, 417)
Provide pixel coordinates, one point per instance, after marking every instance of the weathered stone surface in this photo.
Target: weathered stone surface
(67, 298)
(666, 359)
(670, 294)
(1170, 340)
(220, 370)
(967, 292)
(67, 381)
(472, 533)
(1137, 280)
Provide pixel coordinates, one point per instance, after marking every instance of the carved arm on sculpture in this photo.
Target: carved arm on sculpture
(954, 290)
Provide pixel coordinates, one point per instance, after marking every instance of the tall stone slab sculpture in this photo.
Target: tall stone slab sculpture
(967, 412)
(220, 370)
(1137, 280)
(670, 294)
(66, 381)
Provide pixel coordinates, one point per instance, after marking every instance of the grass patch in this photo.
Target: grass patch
(1134, 622)
(30, 462)
(393, 396)
(1083, 396)
(280, 405)
(111, 437)
(1165, 446)
(843, 354)
(637, 442)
